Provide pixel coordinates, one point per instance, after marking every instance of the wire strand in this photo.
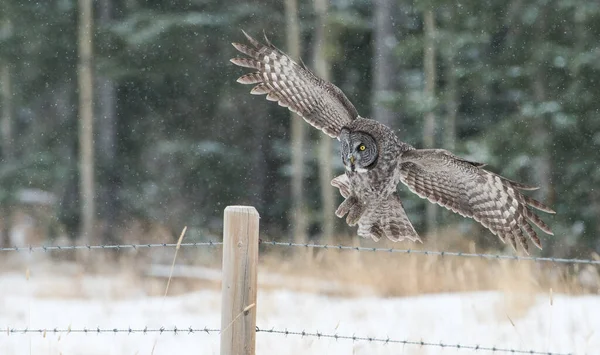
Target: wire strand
(45, 248)
(98, 330)
(489, 256)
(421, 343)
(315, 334)
(433, 253)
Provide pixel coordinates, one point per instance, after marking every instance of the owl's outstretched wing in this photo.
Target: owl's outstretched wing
(319, 102)
(465, 188)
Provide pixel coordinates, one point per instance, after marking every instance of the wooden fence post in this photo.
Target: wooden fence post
(240, 258)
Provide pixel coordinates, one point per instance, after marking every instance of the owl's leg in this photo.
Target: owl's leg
(355, 213)
(353, 208)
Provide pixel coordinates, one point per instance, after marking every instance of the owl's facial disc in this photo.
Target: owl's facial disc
(359, 151)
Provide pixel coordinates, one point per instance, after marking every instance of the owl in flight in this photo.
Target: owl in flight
(376, 160)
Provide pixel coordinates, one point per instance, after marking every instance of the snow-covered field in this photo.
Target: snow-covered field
(558, 323)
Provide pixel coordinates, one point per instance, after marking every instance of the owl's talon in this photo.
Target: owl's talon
(343, 184)
(353, 208)
(376, 233)
(346, 206)
(355, 213)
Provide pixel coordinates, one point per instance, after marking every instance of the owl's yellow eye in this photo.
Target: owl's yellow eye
(362, 147)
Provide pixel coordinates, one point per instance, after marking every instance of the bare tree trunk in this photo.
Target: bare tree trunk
(299, 220)
(107, 133)
(7, 141)
(86, 121)
(325, 152)
(259, 179)
(541, 134)
(65, 111)
(595, 207)
(7, 115)
(541, 138)
(429, 128)
(452, 106)
(451, 101)
(383, 65)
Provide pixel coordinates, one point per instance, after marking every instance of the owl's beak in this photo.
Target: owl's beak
(351, 159)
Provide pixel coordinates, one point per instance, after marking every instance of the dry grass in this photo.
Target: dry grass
(396, 274)
(380, 274)
(123, 275)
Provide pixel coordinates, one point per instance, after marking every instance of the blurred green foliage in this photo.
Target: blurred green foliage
(190, 141)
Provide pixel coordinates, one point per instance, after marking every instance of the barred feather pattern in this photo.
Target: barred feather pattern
(319, 102)
(385, 218)
(465, 188)
(371, 200)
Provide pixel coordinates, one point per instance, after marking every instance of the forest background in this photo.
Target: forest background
(122, 117)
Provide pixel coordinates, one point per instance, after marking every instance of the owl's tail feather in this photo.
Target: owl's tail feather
(343, 184)
(385, 218)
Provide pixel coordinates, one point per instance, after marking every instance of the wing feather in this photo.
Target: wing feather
(319, 102)
(465, 188)
(251, 78)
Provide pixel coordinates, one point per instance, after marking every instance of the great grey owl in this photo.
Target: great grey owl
(376, 160)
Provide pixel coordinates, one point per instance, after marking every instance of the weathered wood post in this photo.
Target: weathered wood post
(240, 258)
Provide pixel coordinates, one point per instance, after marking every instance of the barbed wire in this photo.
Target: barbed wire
(316, 334)
(388, 340)
(98, 330)
(46, 248)
(433, 253)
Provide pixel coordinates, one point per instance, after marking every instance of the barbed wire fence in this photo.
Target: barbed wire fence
(49, 248)
(284, 332)
(12, 331)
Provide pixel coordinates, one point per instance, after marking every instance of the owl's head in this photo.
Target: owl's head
(359, 150)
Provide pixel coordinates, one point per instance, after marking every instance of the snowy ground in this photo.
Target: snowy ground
(557, 323)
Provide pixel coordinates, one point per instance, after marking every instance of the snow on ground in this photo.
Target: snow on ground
(562, 324)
